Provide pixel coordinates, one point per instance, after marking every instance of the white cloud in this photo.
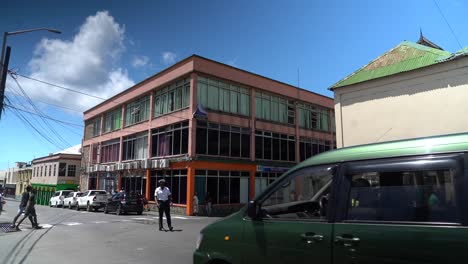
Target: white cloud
(88, 63)
(140, 61)
(168, 57)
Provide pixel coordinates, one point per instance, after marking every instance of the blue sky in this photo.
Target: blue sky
(106, 46)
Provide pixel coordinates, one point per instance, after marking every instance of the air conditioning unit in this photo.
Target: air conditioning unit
(120, 166)
(127, 166)
(108, 168)
(96, 168)
(160, 163)
(145, 164)
(135, 165)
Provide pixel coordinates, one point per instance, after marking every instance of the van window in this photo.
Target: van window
(305, 195)
(413, 196)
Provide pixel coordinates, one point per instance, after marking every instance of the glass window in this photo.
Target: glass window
(413, 196)
(274, 146)
(314, 117)
(274, 108)
(172, 98)
(222, 140)
(62, 169)
(71, 170)
(170, 140)
(137, 111)
(113, 120)
(221, 96)
(110, 151)
(304, 195)
(135, 147)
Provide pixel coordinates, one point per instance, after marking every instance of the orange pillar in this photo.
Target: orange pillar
(119, 182)
(190, 189)
(148, 184)
(252, 183)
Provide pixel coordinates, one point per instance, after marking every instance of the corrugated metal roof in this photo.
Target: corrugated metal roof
(406, 56)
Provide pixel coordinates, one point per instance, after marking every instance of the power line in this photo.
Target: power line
(41, 114)
(47, 103)
(446, 21)
(47, 117)
(56, 85)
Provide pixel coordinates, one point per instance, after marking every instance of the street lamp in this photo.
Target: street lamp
(2, 58)
(6, 34)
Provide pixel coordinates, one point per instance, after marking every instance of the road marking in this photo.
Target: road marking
(84, 212)
(125, 220)
(46, 226)
(180, 217)
(100, 222)
(141, 218)
(72, 224)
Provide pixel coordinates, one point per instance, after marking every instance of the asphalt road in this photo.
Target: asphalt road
(81, 237)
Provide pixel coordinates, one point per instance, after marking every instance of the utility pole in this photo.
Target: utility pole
(4, 76)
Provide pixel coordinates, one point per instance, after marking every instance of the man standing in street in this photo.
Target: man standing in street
(30, 211)
(22, 205)
(162, 196)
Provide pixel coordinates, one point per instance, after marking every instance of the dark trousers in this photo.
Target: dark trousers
(165, 208)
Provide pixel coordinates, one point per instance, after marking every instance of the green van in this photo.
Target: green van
(395, 202)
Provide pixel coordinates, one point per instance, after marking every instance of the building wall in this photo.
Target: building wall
(425, 102)
(53, 166)
(191, 162)
(24, 179)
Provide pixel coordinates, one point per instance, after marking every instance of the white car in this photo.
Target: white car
(57, 199)
(92, 200)
(71, 200)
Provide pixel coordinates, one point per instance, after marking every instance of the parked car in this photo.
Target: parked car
(123, 203)
(394, 202)
(57, 199)
(71, 200)
(92, 200)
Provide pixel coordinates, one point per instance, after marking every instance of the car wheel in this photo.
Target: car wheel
(89, 208)
(69, 205)
(139, 212)
(119, 210)
(50, 204)
(106, 210)
(56, 205)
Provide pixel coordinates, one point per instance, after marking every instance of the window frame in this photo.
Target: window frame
(334, 189)
(456, 162)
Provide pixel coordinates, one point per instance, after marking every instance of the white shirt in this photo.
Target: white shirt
(162, 194)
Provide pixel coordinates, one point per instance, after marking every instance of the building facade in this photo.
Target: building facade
(205, 127)
(13, 183)
(413, 90)
(55, 172)
(24, 174)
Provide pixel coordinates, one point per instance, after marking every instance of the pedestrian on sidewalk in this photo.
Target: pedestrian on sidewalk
(195, 204)
(30, 211)
(162, 196)
(208, 202)
(22, 205)
(1, 202)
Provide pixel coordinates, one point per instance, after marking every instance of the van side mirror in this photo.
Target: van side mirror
(252, 210)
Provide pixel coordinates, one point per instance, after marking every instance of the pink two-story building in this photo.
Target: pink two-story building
(205, 127)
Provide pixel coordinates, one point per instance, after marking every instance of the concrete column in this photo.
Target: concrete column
(151, 108)
(102, 124)
(148, 184)
(296, 122)
(252, 184)
(120, 150)
(192, 121)
(252, 124)
(190, 189)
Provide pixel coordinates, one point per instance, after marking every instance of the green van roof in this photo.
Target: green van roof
(409, 147)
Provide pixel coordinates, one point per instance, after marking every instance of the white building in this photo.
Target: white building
(412, 90)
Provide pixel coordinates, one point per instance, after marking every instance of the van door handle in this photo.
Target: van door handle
(347, 241)
(311, 238)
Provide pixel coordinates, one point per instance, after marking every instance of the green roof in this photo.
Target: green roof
(406, 56)
(411, 147)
